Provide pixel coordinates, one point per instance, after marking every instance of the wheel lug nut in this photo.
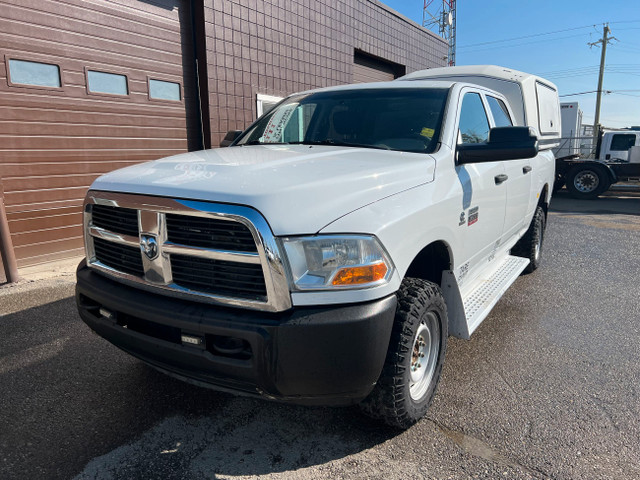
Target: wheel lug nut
(422, 355)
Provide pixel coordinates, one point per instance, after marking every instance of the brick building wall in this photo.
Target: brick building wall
(280, 47)
(56, 139)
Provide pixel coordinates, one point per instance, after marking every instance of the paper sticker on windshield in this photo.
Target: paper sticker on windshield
(427, 132)
(277, 123)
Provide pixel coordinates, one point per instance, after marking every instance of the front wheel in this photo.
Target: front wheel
(415, 356)
(587, 181)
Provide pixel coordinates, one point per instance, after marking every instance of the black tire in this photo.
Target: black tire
(396, 399)
(587, 181)
(530, 245)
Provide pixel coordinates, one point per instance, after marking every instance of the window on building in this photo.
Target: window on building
(474, 126)
(500, 112)
(34, 73)
(265, 103)
(163, 90)
(103, 82)
(622, 142)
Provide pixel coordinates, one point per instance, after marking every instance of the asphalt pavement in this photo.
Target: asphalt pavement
(548, 387)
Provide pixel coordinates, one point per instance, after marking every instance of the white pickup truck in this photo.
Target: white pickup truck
(326, 256)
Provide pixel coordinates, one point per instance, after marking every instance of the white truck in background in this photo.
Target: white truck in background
(615, 157)
(617, 160)
(328, 253)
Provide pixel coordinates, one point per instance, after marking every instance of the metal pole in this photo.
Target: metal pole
(596, 120)
(6, 246)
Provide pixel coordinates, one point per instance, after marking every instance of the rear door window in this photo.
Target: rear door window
(499, 111)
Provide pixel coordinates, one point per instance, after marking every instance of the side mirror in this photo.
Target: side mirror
(505, 143)
(230, 137)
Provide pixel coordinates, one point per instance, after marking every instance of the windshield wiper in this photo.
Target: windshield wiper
(338, 143)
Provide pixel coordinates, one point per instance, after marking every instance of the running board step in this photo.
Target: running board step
(481, 295)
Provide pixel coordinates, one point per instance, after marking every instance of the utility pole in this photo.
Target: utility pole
(604, 40)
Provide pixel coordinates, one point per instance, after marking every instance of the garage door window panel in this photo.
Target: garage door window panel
(107, 83)
(27, 73)
(164, 90)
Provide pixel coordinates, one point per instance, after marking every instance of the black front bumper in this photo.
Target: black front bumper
(308, 355)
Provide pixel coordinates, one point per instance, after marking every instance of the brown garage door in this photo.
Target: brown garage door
(85, 87)
(368, 69)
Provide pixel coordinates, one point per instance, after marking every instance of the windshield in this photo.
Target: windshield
(403, 119)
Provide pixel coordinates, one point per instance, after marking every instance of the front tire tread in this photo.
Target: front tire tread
(390, 400)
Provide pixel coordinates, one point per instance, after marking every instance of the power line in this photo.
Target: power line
(596, 91)
(589, 73)
(524, 36)
(626, 94)
(542, 34)
(631, 65)
(586, 70)
(579, 93)
(523, 44)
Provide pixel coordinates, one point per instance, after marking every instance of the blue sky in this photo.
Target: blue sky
(564, 56)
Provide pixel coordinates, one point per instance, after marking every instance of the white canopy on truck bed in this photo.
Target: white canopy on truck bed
(532, 98)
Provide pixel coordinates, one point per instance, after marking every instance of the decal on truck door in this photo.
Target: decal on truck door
(473, 216)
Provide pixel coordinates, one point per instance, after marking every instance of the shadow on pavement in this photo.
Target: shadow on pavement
(69, 399)
(613, 202)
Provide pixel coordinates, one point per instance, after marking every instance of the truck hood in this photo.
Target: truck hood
(298, 188)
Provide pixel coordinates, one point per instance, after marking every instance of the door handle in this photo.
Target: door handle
(501, 178)
(526, 169)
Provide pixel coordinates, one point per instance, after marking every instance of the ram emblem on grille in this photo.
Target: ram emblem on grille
(149, 245)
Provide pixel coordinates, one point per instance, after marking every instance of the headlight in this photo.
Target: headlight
(327, 262)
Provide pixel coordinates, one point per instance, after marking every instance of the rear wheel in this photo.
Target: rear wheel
(415, 357)
(587, 181)
(530, 245)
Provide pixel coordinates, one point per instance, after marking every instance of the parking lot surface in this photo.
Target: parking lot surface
(548, 387)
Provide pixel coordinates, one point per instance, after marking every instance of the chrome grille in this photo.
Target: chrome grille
(209, 233)
(114, 219)
(216, 253)
(119, 257)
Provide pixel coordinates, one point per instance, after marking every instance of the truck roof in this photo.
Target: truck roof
(493, 71)
(433, 83)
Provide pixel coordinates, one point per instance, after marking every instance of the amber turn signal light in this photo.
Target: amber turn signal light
(361, 274)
